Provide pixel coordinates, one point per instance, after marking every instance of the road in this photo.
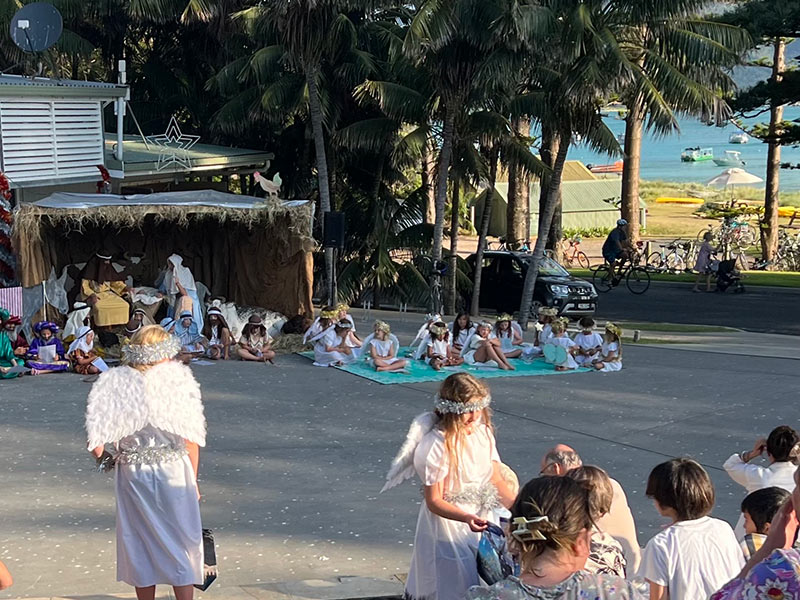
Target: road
(762, 309)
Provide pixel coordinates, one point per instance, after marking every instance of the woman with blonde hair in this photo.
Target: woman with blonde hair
(551, 531)
(148, 415)
(452, 450)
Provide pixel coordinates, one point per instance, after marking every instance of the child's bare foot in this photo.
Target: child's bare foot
(561, 368)
(36, 372)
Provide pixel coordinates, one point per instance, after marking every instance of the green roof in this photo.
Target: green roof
(139, 159)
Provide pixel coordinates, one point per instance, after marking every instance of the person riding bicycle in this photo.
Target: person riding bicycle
(616, 246)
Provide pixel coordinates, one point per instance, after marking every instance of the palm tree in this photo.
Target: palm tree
(574, 69)
(673, 62)
(302, 36)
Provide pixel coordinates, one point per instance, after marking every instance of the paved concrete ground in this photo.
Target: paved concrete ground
(297, 454)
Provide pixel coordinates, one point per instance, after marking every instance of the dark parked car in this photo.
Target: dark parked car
(503, 277)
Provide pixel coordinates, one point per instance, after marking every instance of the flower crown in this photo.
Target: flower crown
(328, 314)
(505, 317)
(150, 354)
(442, 405)
(615, 329)
(383, 326)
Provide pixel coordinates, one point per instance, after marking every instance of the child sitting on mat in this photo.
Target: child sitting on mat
(611, 352)
(510, 339)
(560, 338)
(383, 350)
(589, 342)
(483, 350)
(438, 352)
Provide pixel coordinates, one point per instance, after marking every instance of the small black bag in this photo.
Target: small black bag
(209, 561)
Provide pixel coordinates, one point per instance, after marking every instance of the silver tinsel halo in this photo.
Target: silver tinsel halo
(441, 405)
(150, 354)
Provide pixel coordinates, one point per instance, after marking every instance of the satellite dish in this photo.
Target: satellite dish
(36, 27)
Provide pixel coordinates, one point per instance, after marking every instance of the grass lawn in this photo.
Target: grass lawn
(675, 328)
(767, 278)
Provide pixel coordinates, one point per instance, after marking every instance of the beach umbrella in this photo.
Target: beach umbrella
(734, 176)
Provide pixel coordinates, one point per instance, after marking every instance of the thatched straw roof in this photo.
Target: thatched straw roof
(76, 212)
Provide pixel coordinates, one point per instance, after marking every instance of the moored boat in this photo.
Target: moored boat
(614, 168)
(731, 158)
(697, 154)
(740, 137)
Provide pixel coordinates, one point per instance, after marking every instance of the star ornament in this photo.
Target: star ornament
(174, 146)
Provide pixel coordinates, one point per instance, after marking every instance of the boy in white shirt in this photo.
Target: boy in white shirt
(589, 342)
(697, 554)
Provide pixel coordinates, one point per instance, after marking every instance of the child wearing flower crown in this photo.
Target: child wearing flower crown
(452, 450)
(382, 351)
(611, 351)
(510, 338)
(551, 531)
(483, 350)
(439, 353)
(320, 325)
(560, 338)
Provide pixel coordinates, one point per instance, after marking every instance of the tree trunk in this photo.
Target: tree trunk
(518, 211)
(452, 274)
(428, 169)
(486, 219)
(550, 147)
(545, 217)
(442, 171)
(769, 223)
(629, 204)
(315, 111)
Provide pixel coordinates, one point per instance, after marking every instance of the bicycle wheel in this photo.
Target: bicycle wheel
(601, 279)
(654, 261)
(638, 280)
(583, 260)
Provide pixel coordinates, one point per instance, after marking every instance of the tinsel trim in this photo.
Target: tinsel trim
(484, 497)
(150, 455)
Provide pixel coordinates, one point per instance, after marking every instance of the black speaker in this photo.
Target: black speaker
(333, 230)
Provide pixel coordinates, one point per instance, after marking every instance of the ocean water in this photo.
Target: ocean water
(661, 156)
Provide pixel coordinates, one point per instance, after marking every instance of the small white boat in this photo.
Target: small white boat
(739, 137)
(732, 158)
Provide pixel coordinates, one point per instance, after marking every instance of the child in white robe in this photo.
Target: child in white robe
(510, 339)
(611, 351)
(383, 350)
(483, 350)
(420, 343)
(320, 324)
(461, 329)
(333, 348)
(453, 452)
(439, 353)
(589, 342)
(560, 338)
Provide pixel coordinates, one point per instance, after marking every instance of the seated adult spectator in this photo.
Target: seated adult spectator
(618, 522)
(551, 528)
(694, 555)
(773, 572)
(781, 447)
(605, 553)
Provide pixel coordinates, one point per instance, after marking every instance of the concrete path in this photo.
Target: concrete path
(296, 455)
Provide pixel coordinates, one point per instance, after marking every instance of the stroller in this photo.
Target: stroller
(728, 276)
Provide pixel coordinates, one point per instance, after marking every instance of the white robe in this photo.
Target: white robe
(443, 566)
(615, 364)
(566, 343)
(587, 342)
(324, 358)
(147, 417)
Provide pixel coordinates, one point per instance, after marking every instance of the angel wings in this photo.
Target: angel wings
(403, 464)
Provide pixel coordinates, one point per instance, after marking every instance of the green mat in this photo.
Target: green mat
(419, 371)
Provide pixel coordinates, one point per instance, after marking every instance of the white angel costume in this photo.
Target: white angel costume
(443, 565)
(468, 353)
(147, 417)
(325, 358)
(588, 341)
(383, 349)
(462, 339)
(566, 343)
(611, 364)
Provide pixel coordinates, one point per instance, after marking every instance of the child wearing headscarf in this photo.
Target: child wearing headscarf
(81, 353)
(8, 359)
(46, 332)
(188, 333)
(218, 334)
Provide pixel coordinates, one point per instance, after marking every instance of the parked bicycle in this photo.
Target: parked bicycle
(572, 254)
(636, 277)
(671, 258)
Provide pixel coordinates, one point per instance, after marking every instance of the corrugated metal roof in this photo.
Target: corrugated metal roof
(11, 85)
(575, 170)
